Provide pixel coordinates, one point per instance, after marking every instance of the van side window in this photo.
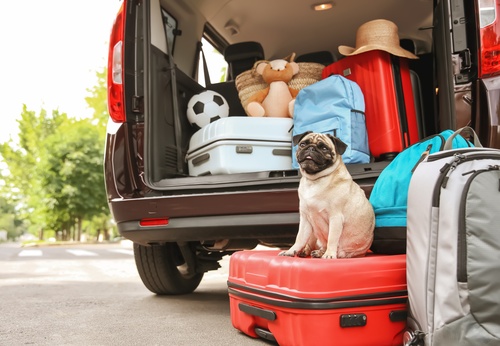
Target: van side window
(216, 65)
(170, 28)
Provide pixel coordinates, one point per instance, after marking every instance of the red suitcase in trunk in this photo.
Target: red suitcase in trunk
(308, 301)
(385, 80)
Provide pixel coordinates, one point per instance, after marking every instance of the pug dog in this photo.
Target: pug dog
(336, 218)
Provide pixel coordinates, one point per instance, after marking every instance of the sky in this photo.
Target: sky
(50, 51)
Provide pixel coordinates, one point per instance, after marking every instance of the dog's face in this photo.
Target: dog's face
(317, 152)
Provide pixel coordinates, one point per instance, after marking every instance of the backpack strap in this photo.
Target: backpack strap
(449, 142)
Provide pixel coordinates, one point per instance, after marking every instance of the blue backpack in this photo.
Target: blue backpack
(389, 196)
(334, 105)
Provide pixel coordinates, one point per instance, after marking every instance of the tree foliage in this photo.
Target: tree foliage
(71, 175)
(55, 169)
(22, 157)
(8, 220)
(97, 100)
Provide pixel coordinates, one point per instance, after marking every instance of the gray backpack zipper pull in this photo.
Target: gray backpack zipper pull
(458, 158)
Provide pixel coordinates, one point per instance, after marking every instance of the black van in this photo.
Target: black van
(183, 224)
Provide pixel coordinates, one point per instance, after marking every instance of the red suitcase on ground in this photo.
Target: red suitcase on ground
(385, 80)
(309, 301)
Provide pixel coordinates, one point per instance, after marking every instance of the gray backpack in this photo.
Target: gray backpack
(453, 248)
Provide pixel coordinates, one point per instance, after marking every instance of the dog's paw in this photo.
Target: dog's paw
(302, 254)
(328, 255)
(287, 253)
(305, 252)
(317, 253)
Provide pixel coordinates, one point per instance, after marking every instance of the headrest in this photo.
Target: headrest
(244, 51)
(408, 44)
(322, 57)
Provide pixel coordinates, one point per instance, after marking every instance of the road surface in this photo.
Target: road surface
(92, 295)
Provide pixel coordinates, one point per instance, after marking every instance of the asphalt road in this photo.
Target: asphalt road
(92, 295)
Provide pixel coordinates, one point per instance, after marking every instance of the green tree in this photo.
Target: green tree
(9, 220)
(55, 170)
(22, 184)
(71, 176)
(97, 100)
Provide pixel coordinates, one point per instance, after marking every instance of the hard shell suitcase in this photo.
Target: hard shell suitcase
(241, 145)
(308, 301)
(385, 80)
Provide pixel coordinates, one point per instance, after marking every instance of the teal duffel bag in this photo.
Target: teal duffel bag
(389, 196)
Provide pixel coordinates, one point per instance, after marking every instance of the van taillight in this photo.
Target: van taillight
(151, 222)
(489, 24)
(115, 69)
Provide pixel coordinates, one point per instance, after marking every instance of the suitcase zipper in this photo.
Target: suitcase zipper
(287, 301)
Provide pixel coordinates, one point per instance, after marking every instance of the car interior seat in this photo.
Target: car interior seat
(240, 57)
(322, 57)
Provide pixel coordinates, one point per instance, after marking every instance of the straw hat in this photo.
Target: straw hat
(378, 34)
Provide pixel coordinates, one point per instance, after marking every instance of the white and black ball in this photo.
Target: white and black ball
(206, 107)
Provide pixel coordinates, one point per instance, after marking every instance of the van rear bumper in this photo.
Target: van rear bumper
(256, 226)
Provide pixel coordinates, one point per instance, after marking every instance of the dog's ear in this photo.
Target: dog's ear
(297, 138)
(339, 145)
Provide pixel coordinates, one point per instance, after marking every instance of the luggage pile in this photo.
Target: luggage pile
(367, 99)
(433, 276)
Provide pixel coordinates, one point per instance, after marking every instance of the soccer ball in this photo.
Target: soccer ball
(206, 107)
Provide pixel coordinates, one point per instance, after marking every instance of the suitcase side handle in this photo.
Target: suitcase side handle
(259, 312)
(265, 334)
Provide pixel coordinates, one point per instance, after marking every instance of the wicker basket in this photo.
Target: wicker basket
(249, 82)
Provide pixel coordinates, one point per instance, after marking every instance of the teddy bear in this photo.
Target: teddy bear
(278, 99)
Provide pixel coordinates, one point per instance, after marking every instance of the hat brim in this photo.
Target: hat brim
(398, 51)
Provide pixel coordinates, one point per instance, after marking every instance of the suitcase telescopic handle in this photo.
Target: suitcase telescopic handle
(259, 312)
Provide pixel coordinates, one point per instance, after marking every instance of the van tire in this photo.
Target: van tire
(163, 270)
